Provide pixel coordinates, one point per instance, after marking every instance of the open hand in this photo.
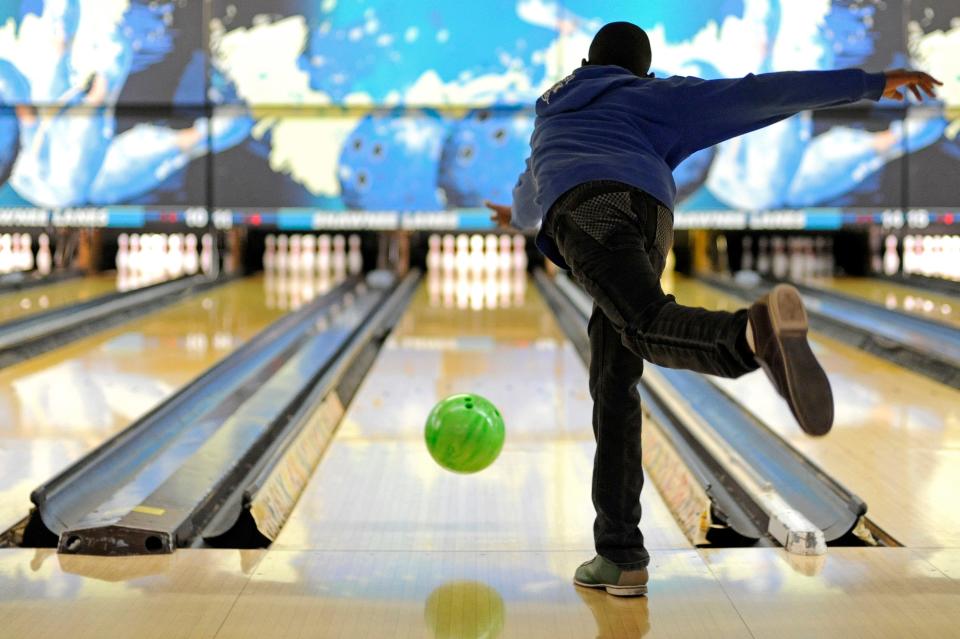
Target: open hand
(913, 80)
(501, 213)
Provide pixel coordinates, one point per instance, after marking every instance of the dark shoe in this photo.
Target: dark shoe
(779, 324)
(600, 573)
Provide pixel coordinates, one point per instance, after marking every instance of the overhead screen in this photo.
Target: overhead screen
(302, 110)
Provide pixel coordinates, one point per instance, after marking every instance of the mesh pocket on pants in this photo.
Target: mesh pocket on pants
(601, 216)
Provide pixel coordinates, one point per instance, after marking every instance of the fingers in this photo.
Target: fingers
(916, 92)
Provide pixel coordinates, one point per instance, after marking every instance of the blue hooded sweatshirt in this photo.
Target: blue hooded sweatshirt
(605, 123)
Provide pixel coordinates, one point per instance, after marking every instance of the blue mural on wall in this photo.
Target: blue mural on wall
(380, 106)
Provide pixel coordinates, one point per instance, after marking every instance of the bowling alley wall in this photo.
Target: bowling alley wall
(374, 115)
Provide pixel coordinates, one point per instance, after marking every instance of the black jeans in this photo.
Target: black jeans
(615, 239)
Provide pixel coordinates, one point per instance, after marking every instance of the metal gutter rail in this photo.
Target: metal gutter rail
(921, 345)
(801, 507)
(204, 476)
(255, 512)
(41, 332)
(190, 413)
(704, 503)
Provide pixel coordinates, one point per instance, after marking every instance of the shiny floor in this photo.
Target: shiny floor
(56, 406)
(895, 440)
(898, 297)
(747, 592)
(17, 304)
(383, 543)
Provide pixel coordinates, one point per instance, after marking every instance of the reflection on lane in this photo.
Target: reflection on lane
(898, 297)
(896, 435)
(17, 304)
(536, 496)
(56, 406)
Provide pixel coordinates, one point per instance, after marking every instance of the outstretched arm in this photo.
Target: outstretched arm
(524, 213)
(712, 111)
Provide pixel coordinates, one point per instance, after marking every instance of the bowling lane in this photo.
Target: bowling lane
(895, 440)
(897, 297)
(377, 488)
(56, 406)
(17, 304)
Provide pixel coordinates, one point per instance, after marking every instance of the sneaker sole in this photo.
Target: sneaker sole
(807, 385)
(616, 591)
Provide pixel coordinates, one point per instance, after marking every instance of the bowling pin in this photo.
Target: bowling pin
(505, 254)
(723, 259)
(294, 261)
(207, 264)
(122, 260)
(434, 284)
(270, 253)
(16, 261)
(447, 260)
(926, 256)
(308, 258)
(520, 253)
(780, 261)
(283, 256)
(191, 259)
(908, 255)
(6, 253)
(746, 255)
(434, 256)
(174, 255)
(339, 257)
(462, 254)
(763, 256)
(891, 260)
(794, 259)
(354, 255)
(809, 259)
(323, 256)
(477, 258)
(44, 258)
(26, 240)
(491, 258)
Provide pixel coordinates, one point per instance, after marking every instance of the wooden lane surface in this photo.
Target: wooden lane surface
(895, 440)
(898, 297)
(17, 304)
(749, 592)
(377, 487)
(58, 405)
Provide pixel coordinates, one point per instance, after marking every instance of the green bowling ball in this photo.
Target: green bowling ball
(464, 433)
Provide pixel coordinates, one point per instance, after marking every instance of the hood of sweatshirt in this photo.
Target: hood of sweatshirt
(582, 87)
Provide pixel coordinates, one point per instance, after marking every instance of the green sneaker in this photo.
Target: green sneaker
(600, 573)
